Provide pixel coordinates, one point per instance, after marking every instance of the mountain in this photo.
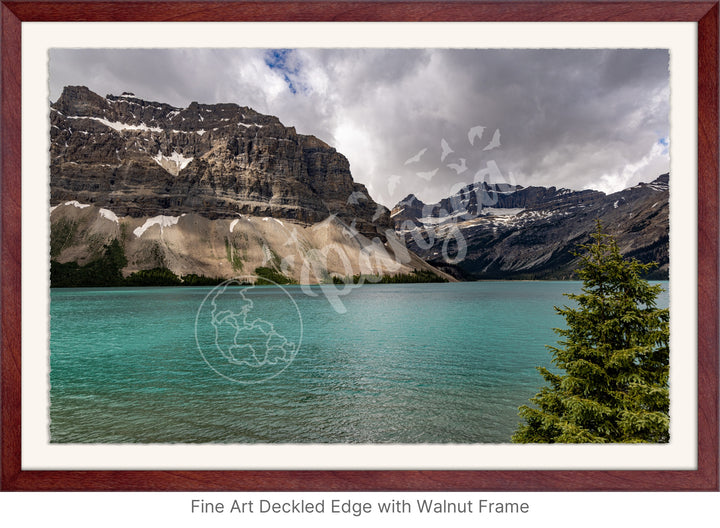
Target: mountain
(208, 189)
(222, 190)
(193, 244)
(143, 159)
(503, 231)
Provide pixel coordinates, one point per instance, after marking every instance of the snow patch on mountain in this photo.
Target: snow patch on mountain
(77, 204)
(120, 127)
(161, 220)
(173, 163)
(107, 213)
(502, 211)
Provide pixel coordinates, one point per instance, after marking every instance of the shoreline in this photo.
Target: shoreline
(318, 285)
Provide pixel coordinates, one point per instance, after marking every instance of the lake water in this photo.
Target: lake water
(407, 363)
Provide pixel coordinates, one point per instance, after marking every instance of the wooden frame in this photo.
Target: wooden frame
(704, 13)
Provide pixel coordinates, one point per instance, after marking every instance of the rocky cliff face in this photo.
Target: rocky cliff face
(221, 189)
(215, 190)
(193, 244)
(506, 231)
(143, 159)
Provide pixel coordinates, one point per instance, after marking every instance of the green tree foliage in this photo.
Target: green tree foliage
(153, 277)
(416, 276)
(270, 276)
(615, 357)
(115, 260)
(105, 271)
(192, 279)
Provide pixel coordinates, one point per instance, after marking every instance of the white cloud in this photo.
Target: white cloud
(568, 118)
(645, 169)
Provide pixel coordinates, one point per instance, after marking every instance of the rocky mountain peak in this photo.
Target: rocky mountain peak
(409, 199)
(534, 232)
(661, 183)
(80, 101)
(144, 158)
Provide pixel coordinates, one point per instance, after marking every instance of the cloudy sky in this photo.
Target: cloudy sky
(425, 121)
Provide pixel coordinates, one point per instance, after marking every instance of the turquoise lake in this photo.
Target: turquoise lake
(406, 363)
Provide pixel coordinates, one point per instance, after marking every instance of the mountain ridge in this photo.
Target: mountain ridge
(213, 190)
(144, 158)
(506, 231)
(195, 189)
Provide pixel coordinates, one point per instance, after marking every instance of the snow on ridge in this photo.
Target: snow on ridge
(120, 127)
(233, 224)
(161, 220)
(502, 211)
(492, 187)
(654, 185)
(436, 220)
(173, 163)
(459, 215)
(107, 213)
(198, 132)
(77, 204)
(658, 186)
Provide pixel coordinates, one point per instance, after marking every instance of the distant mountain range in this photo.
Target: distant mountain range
(503, 231)
(221, 190)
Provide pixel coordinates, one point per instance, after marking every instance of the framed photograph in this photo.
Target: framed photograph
(372, 246)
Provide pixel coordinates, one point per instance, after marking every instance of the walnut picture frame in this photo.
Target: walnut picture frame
(15, 478)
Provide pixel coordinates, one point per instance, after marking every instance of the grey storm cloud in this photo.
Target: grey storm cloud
(425, 121)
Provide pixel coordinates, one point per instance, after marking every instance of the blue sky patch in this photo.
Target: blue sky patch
(285, 63)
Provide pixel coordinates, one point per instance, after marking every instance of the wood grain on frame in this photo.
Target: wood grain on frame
(705, 14)
(517, 11)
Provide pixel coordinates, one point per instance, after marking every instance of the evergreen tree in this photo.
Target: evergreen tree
(615, 358)
(104, 271)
